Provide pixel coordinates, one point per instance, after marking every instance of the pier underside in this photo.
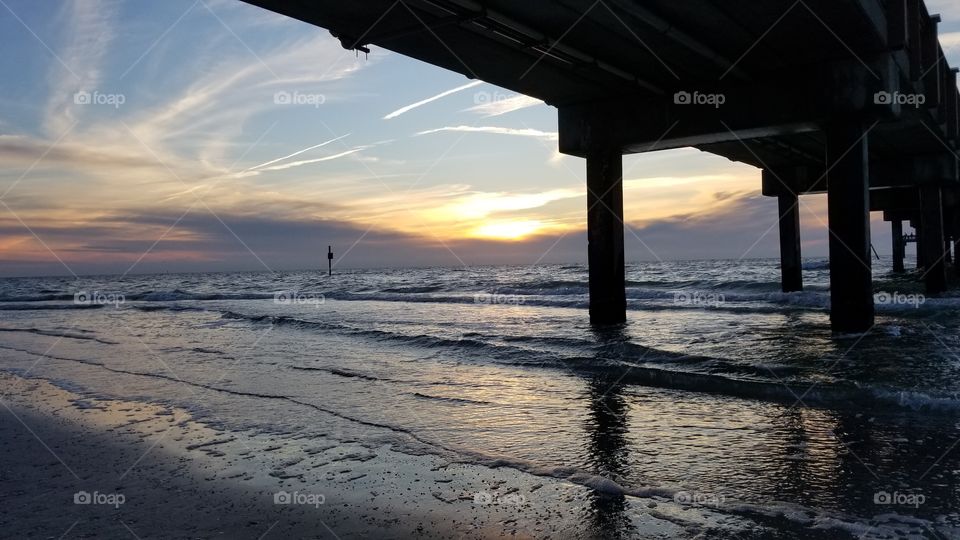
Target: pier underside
(866, 110)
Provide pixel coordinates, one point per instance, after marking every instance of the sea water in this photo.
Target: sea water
(720, 392)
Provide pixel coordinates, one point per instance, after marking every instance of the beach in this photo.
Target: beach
(160, 474)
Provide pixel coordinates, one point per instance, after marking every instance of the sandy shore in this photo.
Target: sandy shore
(81, 467)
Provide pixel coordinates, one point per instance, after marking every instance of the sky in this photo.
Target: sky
(199, 135)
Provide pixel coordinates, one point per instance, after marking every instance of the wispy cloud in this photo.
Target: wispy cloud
(497, 107)
(536, 133)
(422, 102)
(88, 40)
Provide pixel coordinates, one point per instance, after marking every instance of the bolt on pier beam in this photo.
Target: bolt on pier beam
(848, 210)
(608, 301)
(931, 220)
(899, 246)
(791, 269)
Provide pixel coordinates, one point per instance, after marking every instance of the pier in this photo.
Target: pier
(851, 98)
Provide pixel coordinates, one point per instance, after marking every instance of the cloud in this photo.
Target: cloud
(422, 102)
(297, 153)
(294, 234)
(88, 41)
(481, 205)
(548, 135)
(22, 149)
(949, 9)
(177, 133)
(950, 43)
(497, 107)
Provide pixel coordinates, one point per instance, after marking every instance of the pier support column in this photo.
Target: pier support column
(947, 248)
(791, 269)
(899, 246)
(608, 302)
(848, 210)
(918, 241)
(931, 222)
(956, 251)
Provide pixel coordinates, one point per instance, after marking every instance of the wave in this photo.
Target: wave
(178, 295)
(414, 290)
(459, 401)
(54, 297)
(732, 296)
(660, 369)
(47, 307)
(63, 335)
(835, 395)
(810, 519)
(231, 391)
(341, 373)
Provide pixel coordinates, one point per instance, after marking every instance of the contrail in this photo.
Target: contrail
(295, 153)
(398, 112)
(551, 135)
(318, 160)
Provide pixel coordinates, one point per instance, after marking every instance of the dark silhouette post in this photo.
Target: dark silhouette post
(931, 220)
(918, 241)
(848, 210)
(956, 250)
(899, 246)
(791, 269)
(329, 260)
(608, 301)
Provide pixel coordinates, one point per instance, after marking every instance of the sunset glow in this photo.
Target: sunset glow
(508, 230)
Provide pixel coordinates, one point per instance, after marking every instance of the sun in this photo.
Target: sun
(507, 230)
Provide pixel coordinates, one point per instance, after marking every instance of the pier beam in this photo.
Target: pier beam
(608, 302)
(932, 244)
(791, 269)
(848, 210)
(899, 246)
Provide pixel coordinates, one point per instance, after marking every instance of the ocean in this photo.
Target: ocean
(721, 397)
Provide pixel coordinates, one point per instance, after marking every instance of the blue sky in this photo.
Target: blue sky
(221, 136)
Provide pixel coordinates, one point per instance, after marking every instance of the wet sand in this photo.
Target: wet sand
(148, 471)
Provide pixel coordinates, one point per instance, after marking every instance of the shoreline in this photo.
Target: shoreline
(153, 471)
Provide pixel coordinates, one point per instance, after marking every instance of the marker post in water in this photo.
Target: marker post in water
(329, 260)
